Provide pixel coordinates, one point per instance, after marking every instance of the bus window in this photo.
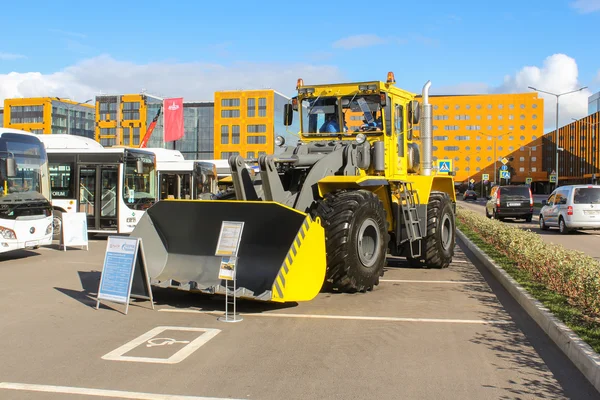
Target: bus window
(62, 180)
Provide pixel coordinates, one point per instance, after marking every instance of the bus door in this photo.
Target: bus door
(175, 185)
(98, 196)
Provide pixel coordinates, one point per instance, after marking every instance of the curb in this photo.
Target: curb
(579, 352)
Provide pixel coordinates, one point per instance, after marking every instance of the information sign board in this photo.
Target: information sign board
(528, 180)
(229, 238)
(74, 230)
(485, 177)
(227, 268)
(124, 274)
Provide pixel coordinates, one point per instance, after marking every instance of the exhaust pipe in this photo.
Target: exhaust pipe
(426, 132)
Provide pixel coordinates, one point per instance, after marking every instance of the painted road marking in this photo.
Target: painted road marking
(352, 317)
(148, 339)
(119, 394)
(425, 281)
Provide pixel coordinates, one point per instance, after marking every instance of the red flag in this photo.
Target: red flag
(173, 119)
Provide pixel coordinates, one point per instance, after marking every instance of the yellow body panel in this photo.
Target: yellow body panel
(303, 272)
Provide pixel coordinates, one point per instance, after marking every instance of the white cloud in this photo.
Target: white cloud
(356, 41)
(10, 56)
(586, 6)
(193, 81)
(558, 74)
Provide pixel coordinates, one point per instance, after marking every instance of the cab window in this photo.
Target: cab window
(551, 200)
(399, 128)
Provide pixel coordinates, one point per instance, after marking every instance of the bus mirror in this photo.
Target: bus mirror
(288, 114)
(11, 167)
(139, 166)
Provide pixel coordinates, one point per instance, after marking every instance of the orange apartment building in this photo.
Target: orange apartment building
(473, 130)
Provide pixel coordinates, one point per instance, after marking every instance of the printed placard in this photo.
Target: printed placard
(229, 238)
(227, 268)
(74, 230)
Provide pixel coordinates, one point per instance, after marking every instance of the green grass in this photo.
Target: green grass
(537, 205)
(588, 330)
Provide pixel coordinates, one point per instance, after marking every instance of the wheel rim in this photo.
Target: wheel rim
(56, 225)
(446, 232)
(369, 239)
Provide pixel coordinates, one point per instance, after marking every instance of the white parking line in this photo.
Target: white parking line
(118, 394)
(204, 336)
(418, 281)
(352, 317)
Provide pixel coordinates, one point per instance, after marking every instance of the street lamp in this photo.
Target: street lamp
(557, 95)
(69, 107)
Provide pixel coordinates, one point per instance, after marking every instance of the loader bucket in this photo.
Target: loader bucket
(281, 257)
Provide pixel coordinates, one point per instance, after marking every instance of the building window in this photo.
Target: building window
(533, 169)
(440, 138)
(451, 148)
(126, 136)
(226, 154)
(478, 169)
(251, 111)
(489, 128)
(230, 102)
(522, 116)
(489, 106)
(262, 107)
(534, 127)
(456, 158)
(522, 106)
(500, 127)
(510, 116)
(131, 111)
(434, 148)
(462, 138)
(511, 127)
(235, 134)
(468, 106)
(489, 158)
(136, 136)
(478, 158)
(511, 148)
(26, 114)
(500, 148)
(467, 158)
(500, 117)
(511, 106)
(250, 155)
(478, 138)
(478, 117)
(468, 169)
(230, 113)
(478, 148)
(489, 117)
(534, 159)
(468, 148)
(522, 127)
(261, 128)
(451, 127)
(511, 137)
(457, 107)
(446, 107)
(435, 107)
(256, 139)
(500, 106)
(522, 169)
(534, 105)
(489, 148)
(521, 158)
(224, 134)
(534, 116)
(534, 148)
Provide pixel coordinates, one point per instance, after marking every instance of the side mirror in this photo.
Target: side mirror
(288, 114)
(414, 112)
(544, 202)
(139, 165)
(11, 167)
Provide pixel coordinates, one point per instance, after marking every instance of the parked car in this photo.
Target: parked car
(572, 207)
(470, 194)
(512, 201)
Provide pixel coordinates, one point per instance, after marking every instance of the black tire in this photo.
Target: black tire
(56, 225)
(438, 246)
(543, 225)
(528, 218)
(356, 240)
(562, 227)
(487, 214)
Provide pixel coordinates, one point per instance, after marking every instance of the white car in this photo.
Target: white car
(572, 207)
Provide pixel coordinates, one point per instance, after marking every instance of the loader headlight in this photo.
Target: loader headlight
(279, 141)
(361, 138)
(7, 233)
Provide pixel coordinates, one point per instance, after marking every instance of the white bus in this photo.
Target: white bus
(25, 209)
(113, 186)
(187, 179)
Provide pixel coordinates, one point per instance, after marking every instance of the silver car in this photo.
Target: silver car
(572, 207)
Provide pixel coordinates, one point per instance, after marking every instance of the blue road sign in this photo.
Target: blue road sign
(504, 168)
(504, 175)
(444, 166)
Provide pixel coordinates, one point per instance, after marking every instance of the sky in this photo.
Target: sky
(191, 49)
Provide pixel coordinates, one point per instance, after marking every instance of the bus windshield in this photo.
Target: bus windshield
(31, 165)
(359, 113)
(139, 186)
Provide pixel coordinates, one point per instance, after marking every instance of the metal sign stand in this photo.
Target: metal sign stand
(227, 247)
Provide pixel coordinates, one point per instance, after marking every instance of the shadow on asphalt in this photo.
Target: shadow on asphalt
(525, 346)
(17, 254)
(89, 283)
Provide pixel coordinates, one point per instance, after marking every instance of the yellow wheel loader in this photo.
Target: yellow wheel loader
(324, 212)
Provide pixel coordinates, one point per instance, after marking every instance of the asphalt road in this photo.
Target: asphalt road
(585, 241)
(421, 334)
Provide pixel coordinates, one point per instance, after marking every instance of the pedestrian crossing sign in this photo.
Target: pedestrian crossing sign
(504, 174)
(445, 166)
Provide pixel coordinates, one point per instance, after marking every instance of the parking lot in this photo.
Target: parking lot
(420, 334)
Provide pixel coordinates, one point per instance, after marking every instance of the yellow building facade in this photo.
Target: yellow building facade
(123, 120)
(47, 115)
(247, 121)
(473, 130)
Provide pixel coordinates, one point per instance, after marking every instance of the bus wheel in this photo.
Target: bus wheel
(57, 225)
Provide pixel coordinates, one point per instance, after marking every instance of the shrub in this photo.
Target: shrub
(567, 272)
